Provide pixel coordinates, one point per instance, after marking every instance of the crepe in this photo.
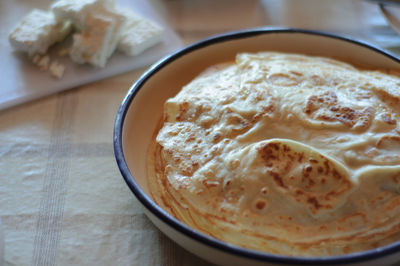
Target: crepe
(283, 153)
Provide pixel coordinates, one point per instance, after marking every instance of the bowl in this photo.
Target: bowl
(142, 108)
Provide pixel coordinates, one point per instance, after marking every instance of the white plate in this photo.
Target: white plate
(22, 81)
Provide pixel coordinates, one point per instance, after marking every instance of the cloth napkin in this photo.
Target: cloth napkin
(62, 198)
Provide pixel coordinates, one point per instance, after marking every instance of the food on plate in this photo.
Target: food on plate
(41, 61)
(56, 69)
(77, 10)
(283, 153)
(98, 39)
(138, 33)
(37, 31)
(100, 28)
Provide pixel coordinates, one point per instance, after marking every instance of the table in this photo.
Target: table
(62, 198)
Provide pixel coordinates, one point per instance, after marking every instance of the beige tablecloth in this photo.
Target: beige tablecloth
(62, 198)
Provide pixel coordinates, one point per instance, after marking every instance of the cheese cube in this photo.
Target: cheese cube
(77, 10)
(37, 31)
(138, 33)
(119, 21)
(98, 39)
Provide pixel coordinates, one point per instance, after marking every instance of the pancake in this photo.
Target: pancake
(283, 153)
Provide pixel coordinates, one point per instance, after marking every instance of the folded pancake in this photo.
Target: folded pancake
(283, 153)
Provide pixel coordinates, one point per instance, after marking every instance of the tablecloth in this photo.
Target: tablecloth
(62, 198)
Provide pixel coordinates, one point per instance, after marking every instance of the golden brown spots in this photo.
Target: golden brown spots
(227, 184)
(305, 173)
(319, 184)
(323, 227)
(314, 102)
(190, 138)
(278, 180)
(364, 118)
(300, 157)
(314, 202)
(286, 148)
(336, 174)
(260, 204)
(296, 73)
(288, 165)
(264, 191)
(310, 184)
(183, 108)
(269, 108)
(267, 152)
(173, 133)
(235, 119)
(326, 164)
(326, 107)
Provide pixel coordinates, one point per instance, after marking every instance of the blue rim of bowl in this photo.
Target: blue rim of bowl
(196, 235)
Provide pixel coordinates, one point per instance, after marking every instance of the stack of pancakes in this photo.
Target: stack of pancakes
(283, 153)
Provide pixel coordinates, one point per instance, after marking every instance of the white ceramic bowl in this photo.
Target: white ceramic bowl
(143, 105)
